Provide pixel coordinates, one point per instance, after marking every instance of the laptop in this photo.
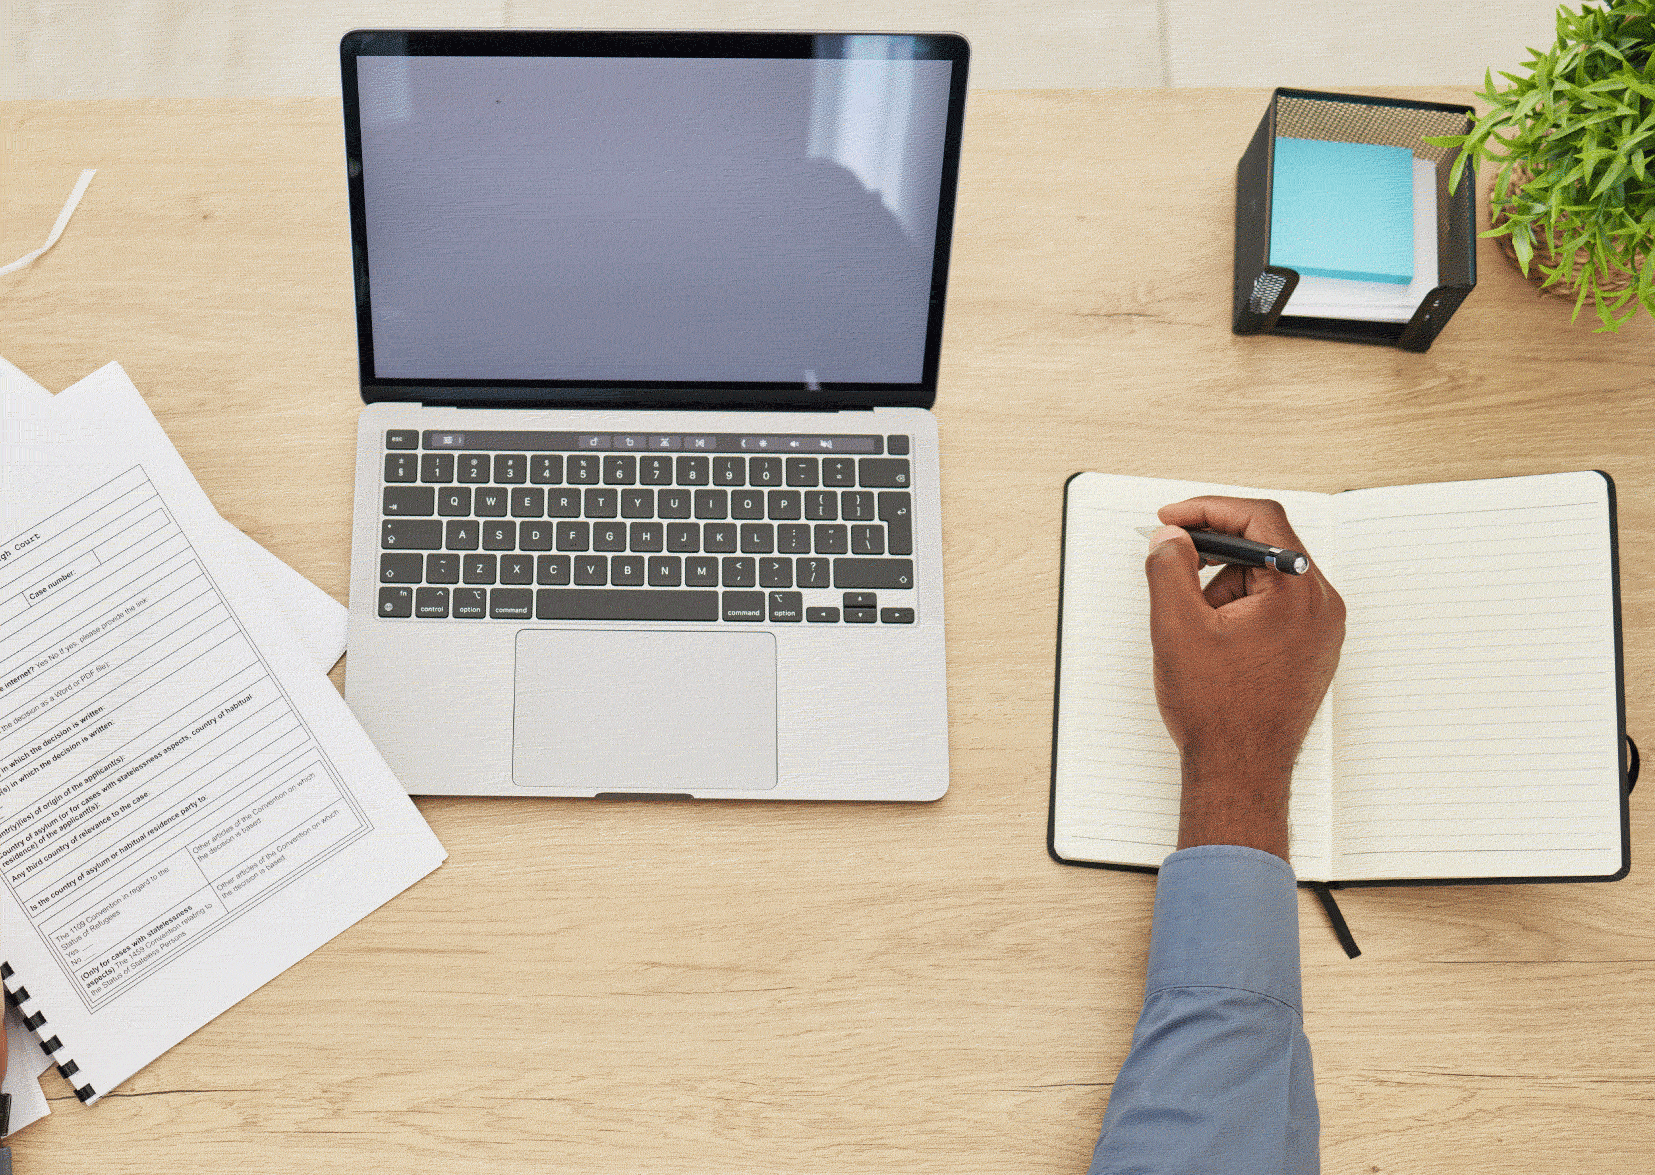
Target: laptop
(647, 487)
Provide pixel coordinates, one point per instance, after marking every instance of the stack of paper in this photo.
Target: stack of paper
(187, 808)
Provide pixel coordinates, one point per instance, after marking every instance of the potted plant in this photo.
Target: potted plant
(1575, 140)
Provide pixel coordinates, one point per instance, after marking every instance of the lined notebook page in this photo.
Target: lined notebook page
(1475, 709)
(1116, 776)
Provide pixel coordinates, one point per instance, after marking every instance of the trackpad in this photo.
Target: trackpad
(645, 711)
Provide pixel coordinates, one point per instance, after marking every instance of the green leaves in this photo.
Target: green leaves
(1576, 188)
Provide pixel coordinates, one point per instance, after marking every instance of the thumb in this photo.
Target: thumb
(1174, 573)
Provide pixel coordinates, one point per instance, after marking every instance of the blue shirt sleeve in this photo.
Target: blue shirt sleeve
(1218, 1080)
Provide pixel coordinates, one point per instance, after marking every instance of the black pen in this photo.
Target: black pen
(1229, 548)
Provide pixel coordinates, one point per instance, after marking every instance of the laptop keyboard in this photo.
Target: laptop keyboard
(578, 526)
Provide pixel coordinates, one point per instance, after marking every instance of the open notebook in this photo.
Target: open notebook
(1473, 730)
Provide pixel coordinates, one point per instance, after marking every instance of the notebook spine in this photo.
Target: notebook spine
(35, 1020)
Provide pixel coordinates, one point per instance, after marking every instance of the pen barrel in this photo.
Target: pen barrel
(1229, 548)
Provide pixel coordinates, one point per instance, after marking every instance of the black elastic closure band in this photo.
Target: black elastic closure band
(1632, 765)
(1341, 929)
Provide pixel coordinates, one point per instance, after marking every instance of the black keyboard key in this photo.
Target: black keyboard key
(442, 568)
(400, 567)
(861, 600)
(785, 504)
(718, 537)
(479, 568)
(683, 537)
(621, 470)
(746, 504)
(403, 501)
(792, 538)
(511, 604)
(712, 503)
(573, 604)
(729, 471)
(757, 538)
(646, 536)
(574, 536)
(402, 438)
(516, 568)
(775, 573)
(551, 570)
(591, 570)
(814, 573)
(534, 536)
(463, 534)
(490, 502)
(665, 571)
(856, 506)
(637, 503)
(896, 616)
(499, 536)
(511, 469)
(401, 467)
(832, 538)
(410, 534)
(867, 540)
(801, 471)
(821, 615)
(546, 469)
(431, 603)
(896, 512)
(437, 468)
(739, 572)
(821, 505)
(701, 571)
(655, 470)
(626, 570)
(582, 469)
(838, 471)
(454, 502)
(528, 502)
(786, 607)
(602, 503)
(470, 603)
(609, 536)
(897, 446)
(396, 602)
(861, 615)
(563, 503)
(673, 504)
(473, 468)
(744, 607)
(885, 472)
(764, 471)
(873, 573)
(692, 471)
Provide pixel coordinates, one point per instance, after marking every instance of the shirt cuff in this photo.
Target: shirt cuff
(1226, 916)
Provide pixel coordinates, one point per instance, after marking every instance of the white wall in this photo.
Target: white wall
(161, 48)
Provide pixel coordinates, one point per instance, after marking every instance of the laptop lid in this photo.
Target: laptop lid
(662, 220)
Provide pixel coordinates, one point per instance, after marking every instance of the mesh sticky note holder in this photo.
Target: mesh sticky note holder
(1264, 292)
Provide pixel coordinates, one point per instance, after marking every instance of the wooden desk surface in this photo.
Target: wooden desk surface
(720, 987)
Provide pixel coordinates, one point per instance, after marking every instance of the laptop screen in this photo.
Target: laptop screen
(624, 221)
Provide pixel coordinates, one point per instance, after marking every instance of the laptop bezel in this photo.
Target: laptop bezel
(655, 394)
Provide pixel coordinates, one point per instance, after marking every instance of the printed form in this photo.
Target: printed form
(186, 807)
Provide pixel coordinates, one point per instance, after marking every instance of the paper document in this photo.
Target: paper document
(188, 807)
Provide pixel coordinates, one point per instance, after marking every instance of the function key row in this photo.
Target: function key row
(623, 469)
(572, 442)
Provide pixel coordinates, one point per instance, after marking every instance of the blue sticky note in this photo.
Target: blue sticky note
(1343, 210)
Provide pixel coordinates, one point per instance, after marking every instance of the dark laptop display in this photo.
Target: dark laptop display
(581, 221)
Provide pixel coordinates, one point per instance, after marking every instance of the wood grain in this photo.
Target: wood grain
(722, 987)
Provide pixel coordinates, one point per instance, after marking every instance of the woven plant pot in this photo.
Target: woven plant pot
(1546, 256)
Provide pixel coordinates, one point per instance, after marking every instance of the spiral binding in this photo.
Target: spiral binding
(18, 996)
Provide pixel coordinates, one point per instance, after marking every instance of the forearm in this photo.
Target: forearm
(1234, 800)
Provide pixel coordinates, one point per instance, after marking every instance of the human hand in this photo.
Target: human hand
(1240, 669)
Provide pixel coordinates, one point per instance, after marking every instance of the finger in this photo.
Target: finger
(1173, 571)
(1227, 586)
(1259, 519)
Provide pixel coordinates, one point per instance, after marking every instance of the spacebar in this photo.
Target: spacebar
(595, 604)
